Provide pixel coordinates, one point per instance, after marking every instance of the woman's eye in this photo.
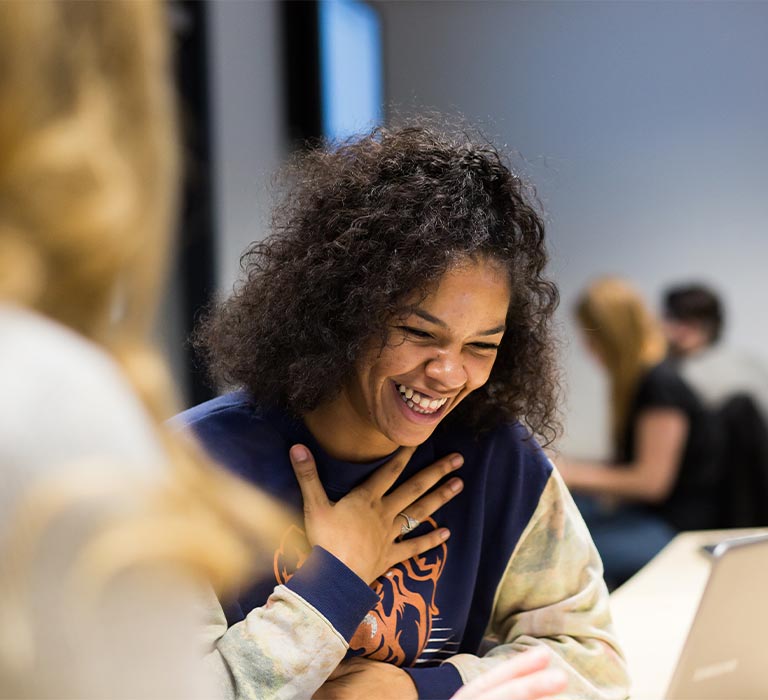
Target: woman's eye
(415, 332)
(485, 346)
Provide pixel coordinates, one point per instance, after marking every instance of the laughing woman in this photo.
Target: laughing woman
(394, 328)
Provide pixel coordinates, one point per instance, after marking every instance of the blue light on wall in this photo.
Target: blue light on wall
(350, 68)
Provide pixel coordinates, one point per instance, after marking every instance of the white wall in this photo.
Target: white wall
(644, 126)
(247, 115)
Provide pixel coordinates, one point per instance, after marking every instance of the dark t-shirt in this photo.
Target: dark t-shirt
(692, 503)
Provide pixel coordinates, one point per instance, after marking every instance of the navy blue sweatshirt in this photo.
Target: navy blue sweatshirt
(428, 609)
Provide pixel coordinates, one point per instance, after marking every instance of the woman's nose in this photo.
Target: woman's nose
(447, 369)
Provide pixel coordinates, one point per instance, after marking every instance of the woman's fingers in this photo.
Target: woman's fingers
(403, 497)
(312, 491)
(361, 529)
(541, 684)
(382, 479)
(538, 685)
(426, 505)
(523, 677)
(529, 661)
(416, 545)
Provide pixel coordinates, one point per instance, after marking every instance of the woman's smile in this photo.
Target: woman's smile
(420, 401)
(418, 407)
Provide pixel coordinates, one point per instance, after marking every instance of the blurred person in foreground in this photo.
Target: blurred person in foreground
(666, 445)
(393, 328)
(694, 318)
(111, 528)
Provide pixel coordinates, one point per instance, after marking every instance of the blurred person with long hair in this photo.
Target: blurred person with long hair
(665, 443)
(393, 328)
(111, 528)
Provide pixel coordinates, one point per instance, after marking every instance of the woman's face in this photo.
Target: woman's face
(442, 349)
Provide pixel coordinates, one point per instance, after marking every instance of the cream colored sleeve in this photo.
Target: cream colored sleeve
(284, 649)
(553, 594)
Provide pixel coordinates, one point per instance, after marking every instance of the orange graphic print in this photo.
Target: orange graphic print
(292, 553)
(397, 629)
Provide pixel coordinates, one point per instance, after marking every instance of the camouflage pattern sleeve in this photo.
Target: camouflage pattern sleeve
(284, 649)
(553, 594)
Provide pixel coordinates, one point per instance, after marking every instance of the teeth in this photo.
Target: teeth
(421, 404)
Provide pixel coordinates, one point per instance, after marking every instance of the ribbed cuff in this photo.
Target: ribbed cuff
(437, 683)
(334, 590)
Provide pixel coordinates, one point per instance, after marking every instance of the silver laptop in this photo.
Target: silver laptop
(725, 656)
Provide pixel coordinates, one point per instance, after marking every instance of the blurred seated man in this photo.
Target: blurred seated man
(693, 323)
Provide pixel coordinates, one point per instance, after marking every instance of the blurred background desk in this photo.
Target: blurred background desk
(653, 611)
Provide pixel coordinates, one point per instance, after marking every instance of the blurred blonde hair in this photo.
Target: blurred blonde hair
(89, 166)
(627, 338)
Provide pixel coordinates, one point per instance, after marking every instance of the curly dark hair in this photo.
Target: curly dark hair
(362, 226)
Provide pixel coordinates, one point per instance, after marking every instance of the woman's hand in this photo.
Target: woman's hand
(363, 528)
(524, 677)
(359, 677)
